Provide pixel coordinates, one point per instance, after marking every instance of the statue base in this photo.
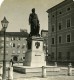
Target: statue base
(35, 57)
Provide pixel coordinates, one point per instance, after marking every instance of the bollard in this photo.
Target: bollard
(43, 71)
(69, 69)
(10, 73)
(55, 64)
(0, 72)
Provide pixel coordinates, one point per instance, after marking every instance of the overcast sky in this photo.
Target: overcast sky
(17, 13)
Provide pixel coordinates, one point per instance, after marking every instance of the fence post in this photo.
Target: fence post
(43, 71)
(0, 72)
(69, 69)
(10, 73)
(55, 64)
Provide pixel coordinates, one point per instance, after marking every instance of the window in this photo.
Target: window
(2, 38)
(68, 9)
(13, 44)
(60, 12)
(24, 45)
(52, 40)
(7, 45)
(60, 25)
(44, 34)
(2, 52)
(24, 52)
(68, 38)
(13, 38)
(68, 55)
(24, 38)
(68, 23)
(52, 15)
(7, 39)
(18, 45)
(23, 57)
(60, 55)
(52, 28)
(2, 45)
(48, 16)
(19, 38)
(10, 44)
(6, 52)
(59, 39)
(13, 52)
(18, 52)
(52, 55)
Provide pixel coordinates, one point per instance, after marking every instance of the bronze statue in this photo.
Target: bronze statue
(34, 27)
(34, 23)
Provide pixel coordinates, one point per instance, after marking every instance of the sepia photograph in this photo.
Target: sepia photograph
(36, 39)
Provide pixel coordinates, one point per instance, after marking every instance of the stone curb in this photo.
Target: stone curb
(28, 79)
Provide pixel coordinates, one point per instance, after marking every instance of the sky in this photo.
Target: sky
(17, 13)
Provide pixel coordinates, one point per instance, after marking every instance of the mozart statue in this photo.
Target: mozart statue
(34, 23)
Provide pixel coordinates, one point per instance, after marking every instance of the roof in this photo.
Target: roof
(15, 34)
(44, 30)
(65, 2)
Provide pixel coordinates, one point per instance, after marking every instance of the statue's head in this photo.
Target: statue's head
(33, 10)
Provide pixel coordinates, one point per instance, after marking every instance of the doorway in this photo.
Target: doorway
(15, 58)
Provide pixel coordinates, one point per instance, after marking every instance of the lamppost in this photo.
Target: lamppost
(4, 23)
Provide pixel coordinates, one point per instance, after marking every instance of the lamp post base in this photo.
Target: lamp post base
(4, 70)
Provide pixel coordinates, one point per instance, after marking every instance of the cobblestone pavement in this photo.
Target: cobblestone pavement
(37, 76)
(19, 76)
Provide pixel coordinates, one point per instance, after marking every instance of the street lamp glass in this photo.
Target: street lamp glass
(4, 23)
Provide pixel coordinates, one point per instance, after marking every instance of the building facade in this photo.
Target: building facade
(44, 34)
(16, 45)
(61, 31)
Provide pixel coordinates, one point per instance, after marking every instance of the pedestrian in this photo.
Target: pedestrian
(11, 62)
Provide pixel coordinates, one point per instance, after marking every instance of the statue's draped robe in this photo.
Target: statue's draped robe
(34, 23)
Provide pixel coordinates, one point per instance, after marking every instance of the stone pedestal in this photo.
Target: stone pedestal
(35, 57)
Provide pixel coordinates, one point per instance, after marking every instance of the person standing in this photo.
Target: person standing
(11, 62)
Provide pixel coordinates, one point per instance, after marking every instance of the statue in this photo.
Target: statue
(34, 27)
(34, 23)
